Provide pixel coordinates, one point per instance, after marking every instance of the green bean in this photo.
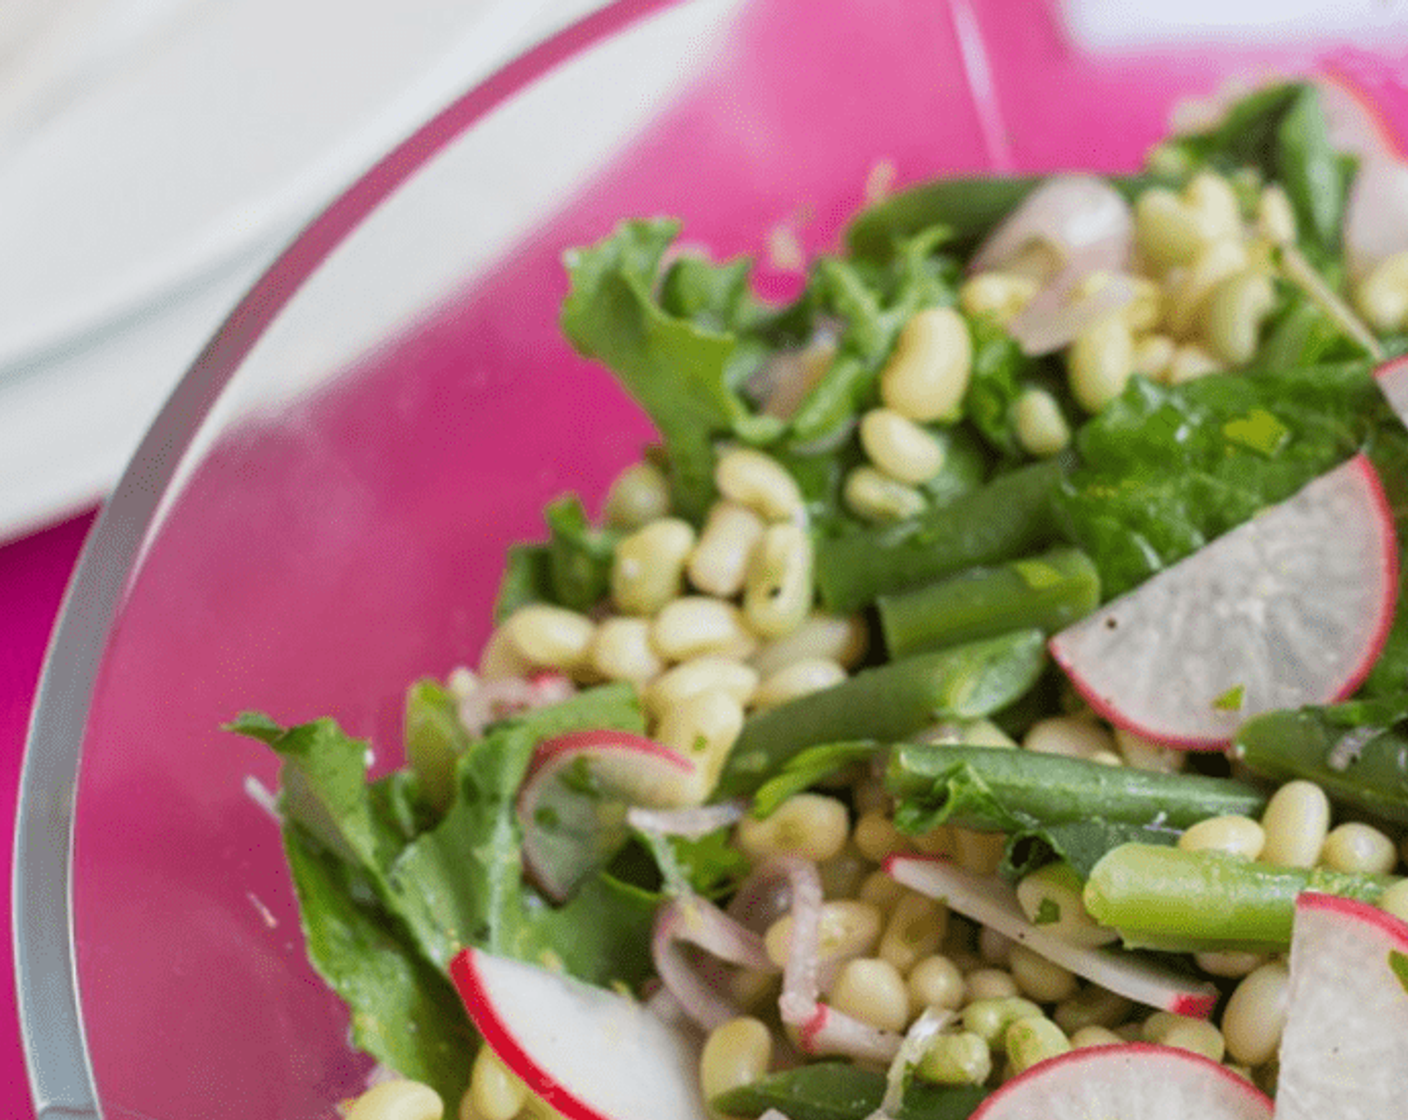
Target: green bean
(984, 788)
(1044, 592)
(1167, 898)
(1363, 766)
(1005, 518)
(842, 1091)
(887, 703)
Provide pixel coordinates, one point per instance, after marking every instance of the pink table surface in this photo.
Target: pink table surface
(33, 574)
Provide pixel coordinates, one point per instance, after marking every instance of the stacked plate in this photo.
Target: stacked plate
(155, 155)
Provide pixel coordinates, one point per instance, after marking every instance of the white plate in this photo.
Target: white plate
(145, 188)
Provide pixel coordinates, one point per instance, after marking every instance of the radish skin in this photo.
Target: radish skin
(589, 1053)
(1164, 660)
(1135, 1081)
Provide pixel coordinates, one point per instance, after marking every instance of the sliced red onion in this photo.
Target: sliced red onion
(696, 921)
(1088, 225)
(1081, 217)
(1052, 320)
(692, 823)
(763, 897)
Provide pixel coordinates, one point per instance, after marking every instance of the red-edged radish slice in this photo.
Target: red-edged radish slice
(1376, 215)
(575, 796)
(1344, 1049)
(588, 1052)
(1355, 124)
(1136, 1081)
(993, 903)
(1376, 211)
(1287, 609)
(1393, 383)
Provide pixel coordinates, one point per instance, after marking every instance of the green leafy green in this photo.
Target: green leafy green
(1161, 474)
(806, 768)
(873, 301)
(579, 556)
(1000, 372)
(676, 368)
(468, 871)
(390, 890)
(435, 739)
(709, 865)
(404, 1011)
(1080, 844)
(527, 578)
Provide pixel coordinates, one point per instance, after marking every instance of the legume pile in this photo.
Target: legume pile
(829, 590)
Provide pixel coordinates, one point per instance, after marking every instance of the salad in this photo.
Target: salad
(991, 691)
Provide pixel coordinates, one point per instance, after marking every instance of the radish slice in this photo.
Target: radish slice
(1376, 215)
(1393, 383)
(588, 1052)
(575, 796)
(1288, 609)
(1353, 122)
(993, 903)
(1376, 211)
(1136, 1081)
(821, 1029)
(1344, 1050)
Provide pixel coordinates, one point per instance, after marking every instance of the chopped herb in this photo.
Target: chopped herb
(1259, 431)
(1047, 913)
(1038, 575)
(1399, 963)
(1231, 700)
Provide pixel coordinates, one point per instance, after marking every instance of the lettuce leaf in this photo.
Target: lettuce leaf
(389, 890)
(1165, 469)
(677, 368)
(404, 1012)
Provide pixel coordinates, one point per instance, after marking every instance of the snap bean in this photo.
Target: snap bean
(1045, 592)
(1168, 898)
(887, 703)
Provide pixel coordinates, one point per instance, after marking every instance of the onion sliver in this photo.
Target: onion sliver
(699, 922)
